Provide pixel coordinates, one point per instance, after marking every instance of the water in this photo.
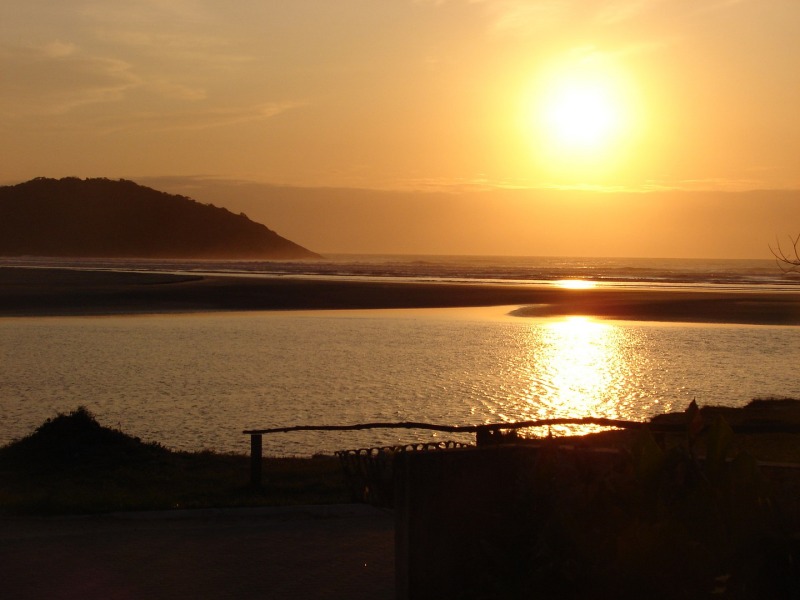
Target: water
(628, 272)
(196, 381)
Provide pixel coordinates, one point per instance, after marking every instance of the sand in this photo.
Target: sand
(63, 292)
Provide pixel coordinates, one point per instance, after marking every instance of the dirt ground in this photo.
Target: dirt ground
(324, 552)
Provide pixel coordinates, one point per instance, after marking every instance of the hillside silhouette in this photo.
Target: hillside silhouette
(106, 218)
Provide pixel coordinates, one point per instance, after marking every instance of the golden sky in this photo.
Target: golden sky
(425, 95)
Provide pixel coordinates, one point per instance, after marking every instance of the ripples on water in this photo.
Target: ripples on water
(196, 381)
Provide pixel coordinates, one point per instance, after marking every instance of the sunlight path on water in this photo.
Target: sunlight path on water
(575, 366)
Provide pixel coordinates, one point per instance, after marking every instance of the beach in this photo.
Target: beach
(64, 292)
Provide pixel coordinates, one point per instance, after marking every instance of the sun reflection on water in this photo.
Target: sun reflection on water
(575, 284)
(585, 364)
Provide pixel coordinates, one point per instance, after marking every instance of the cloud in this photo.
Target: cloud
(708, 185)
(169, 89)
(172, 50)
(194, 120)
(167, 31)
(57, 78)
(625, 10)
(505, 16)
(509, 16)
(514, 15)
(146, 11)
(156, 66)
(58, 49)
(718, 5)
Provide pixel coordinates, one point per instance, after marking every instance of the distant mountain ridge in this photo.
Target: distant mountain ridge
(119, 218)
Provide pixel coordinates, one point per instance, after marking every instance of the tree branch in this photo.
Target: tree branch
(788, 260)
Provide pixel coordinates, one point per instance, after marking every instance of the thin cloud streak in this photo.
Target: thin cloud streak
(57, 78)
(508, 16)
(197, 120)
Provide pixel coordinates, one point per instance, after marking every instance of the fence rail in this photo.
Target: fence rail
(484, 432)
(461, 428)
(481, 432)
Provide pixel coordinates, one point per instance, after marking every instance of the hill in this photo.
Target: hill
(106, 218)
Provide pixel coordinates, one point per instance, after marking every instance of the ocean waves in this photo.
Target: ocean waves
(742, 274)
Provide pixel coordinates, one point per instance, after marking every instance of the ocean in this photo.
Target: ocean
(194, 382)
(755, 274)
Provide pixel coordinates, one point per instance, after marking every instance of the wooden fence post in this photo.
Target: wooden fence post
(255, 460)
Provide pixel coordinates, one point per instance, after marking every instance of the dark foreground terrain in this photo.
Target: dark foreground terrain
(710, 510)
(72, 464)
(82, 515)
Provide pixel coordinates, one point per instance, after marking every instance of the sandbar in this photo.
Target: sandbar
(33, 292)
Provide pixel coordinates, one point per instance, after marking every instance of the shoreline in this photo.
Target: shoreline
(38, 292)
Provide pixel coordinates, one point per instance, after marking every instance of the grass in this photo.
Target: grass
(71, 464)
(772, 416)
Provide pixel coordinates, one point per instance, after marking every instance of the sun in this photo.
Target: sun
(581, 114)
(582, 118)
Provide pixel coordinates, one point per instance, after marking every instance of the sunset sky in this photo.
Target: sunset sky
(424, 109)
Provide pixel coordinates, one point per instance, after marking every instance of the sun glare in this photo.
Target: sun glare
(584, 361)
(575, 284)
(582, 114)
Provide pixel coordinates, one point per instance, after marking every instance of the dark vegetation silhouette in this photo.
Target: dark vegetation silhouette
(105, 218)
(71, 464)
(689, 514)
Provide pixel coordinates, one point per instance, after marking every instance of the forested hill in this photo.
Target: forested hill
(105, 218)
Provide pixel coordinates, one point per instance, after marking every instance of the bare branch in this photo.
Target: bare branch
(788, 260)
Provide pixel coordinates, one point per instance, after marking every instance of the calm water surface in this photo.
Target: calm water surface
(196, 381)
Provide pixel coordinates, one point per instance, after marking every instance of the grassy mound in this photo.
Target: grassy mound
(72, 464)
(77, 439)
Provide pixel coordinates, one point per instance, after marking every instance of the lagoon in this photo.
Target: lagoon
(194, 382)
